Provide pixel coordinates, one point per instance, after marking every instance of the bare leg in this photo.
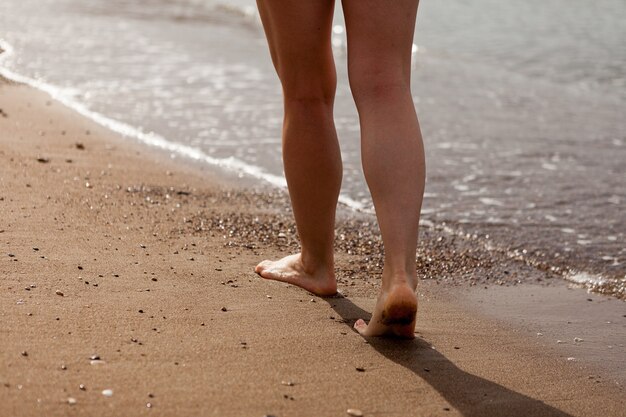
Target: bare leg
(380, 36)
(298, 34)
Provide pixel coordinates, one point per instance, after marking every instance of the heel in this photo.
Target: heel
(400, 307)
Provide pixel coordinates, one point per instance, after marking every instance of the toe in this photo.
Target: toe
(360, 326)
(261, 267)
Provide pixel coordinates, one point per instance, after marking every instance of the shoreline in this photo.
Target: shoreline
(239, 174)
(147, 253)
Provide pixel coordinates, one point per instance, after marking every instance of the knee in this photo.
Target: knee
(309, 89)
(378, 84)
(309, 94)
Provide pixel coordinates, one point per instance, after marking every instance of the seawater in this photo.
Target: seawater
(521, 105)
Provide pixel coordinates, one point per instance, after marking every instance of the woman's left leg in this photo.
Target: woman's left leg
(298, 33)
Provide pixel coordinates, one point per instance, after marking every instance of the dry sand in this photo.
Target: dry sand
(112, 251)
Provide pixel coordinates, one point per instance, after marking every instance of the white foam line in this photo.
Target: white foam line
(578, 277)
(150, 138)
(585, 278)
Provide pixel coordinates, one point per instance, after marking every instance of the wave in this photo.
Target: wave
(190, 11)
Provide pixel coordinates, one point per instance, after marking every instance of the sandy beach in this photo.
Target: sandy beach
(127, 288)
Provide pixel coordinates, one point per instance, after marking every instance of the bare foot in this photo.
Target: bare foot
(394, 314)
(290, 269)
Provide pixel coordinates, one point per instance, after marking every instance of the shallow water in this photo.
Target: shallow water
(521, 105)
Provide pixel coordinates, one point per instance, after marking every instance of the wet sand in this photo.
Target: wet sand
(124, 271)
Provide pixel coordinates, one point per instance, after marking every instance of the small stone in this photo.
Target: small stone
(269, 296)
(141, 311)
(71, 401)
(578, 339)
(354, 412)
(360, 369)
(287, 383)
(142, 246)
(149, 405)
(43, 160)
(95, 357)
(571, 359)
(224, 309)
(63, 367)
(82, 387)
(107, 392)
(80, 146)
(97, 362)
(24, 353)
(59, 292)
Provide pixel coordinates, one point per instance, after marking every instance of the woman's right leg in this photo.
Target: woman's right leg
(298, 33)
(380, 37)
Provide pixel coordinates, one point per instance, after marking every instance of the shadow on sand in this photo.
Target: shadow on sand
(471, 395)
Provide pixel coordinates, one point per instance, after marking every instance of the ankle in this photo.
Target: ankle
(400, 278)
(316, 263)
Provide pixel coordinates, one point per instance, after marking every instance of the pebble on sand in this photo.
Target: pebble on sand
(59, 292)
(107, 392)
(354, 412)
(71, 401)
(224, 309)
